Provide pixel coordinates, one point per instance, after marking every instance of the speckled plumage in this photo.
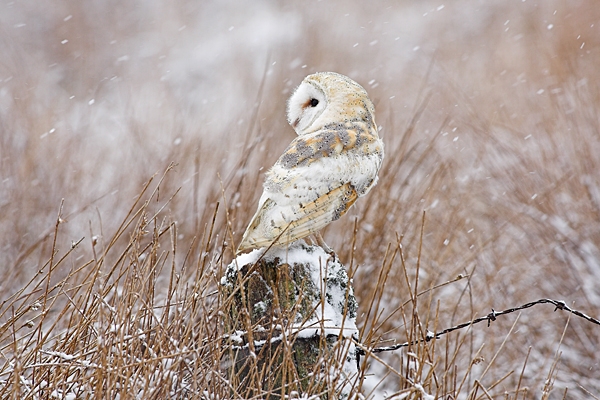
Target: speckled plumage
(333, 161)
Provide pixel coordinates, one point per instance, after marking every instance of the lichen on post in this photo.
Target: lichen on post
(291, 317)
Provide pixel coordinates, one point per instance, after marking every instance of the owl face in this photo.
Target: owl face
(306, 105)
(327, 97)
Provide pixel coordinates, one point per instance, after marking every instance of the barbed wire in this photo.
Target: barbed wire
(559, 305)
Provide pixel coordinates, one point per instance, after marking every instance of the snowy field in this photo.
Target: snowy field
(490, 114)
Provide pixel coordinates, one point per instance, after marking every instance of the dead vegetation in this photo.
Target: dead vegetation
(490, 119)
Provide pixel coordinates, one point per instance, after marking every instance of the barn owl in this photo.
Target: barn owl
(332, 162)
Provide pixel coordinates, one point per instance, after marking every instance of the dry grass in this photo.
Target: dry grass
(489, 113)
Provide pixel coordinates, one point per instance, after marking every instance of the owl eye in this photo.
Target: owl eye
(314, 102)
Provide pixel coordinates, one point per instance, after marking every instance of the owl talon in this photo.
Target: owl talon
(321, 243)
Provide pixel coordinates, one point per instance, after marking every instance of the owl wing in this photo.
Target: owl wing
(327, 208)
(270, 224)
(328, 142)
(313, 183)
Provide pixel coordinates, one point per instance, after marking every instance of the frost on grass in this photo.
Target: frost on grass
(299, 295)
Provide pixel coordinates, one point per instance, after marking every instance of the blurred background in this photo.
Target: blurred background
(489, 112)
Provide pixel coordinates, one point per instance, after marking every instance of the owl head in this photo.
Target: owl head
(328, 97)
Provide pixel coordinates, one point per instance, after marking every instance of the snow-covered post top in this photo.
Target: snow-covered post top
(299, 295)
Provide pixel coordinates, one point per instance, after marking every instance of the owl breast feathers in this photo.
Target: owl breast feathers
(333, 161)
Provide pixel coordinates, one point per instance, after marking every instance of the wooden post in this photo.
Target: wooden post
(290, 318)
